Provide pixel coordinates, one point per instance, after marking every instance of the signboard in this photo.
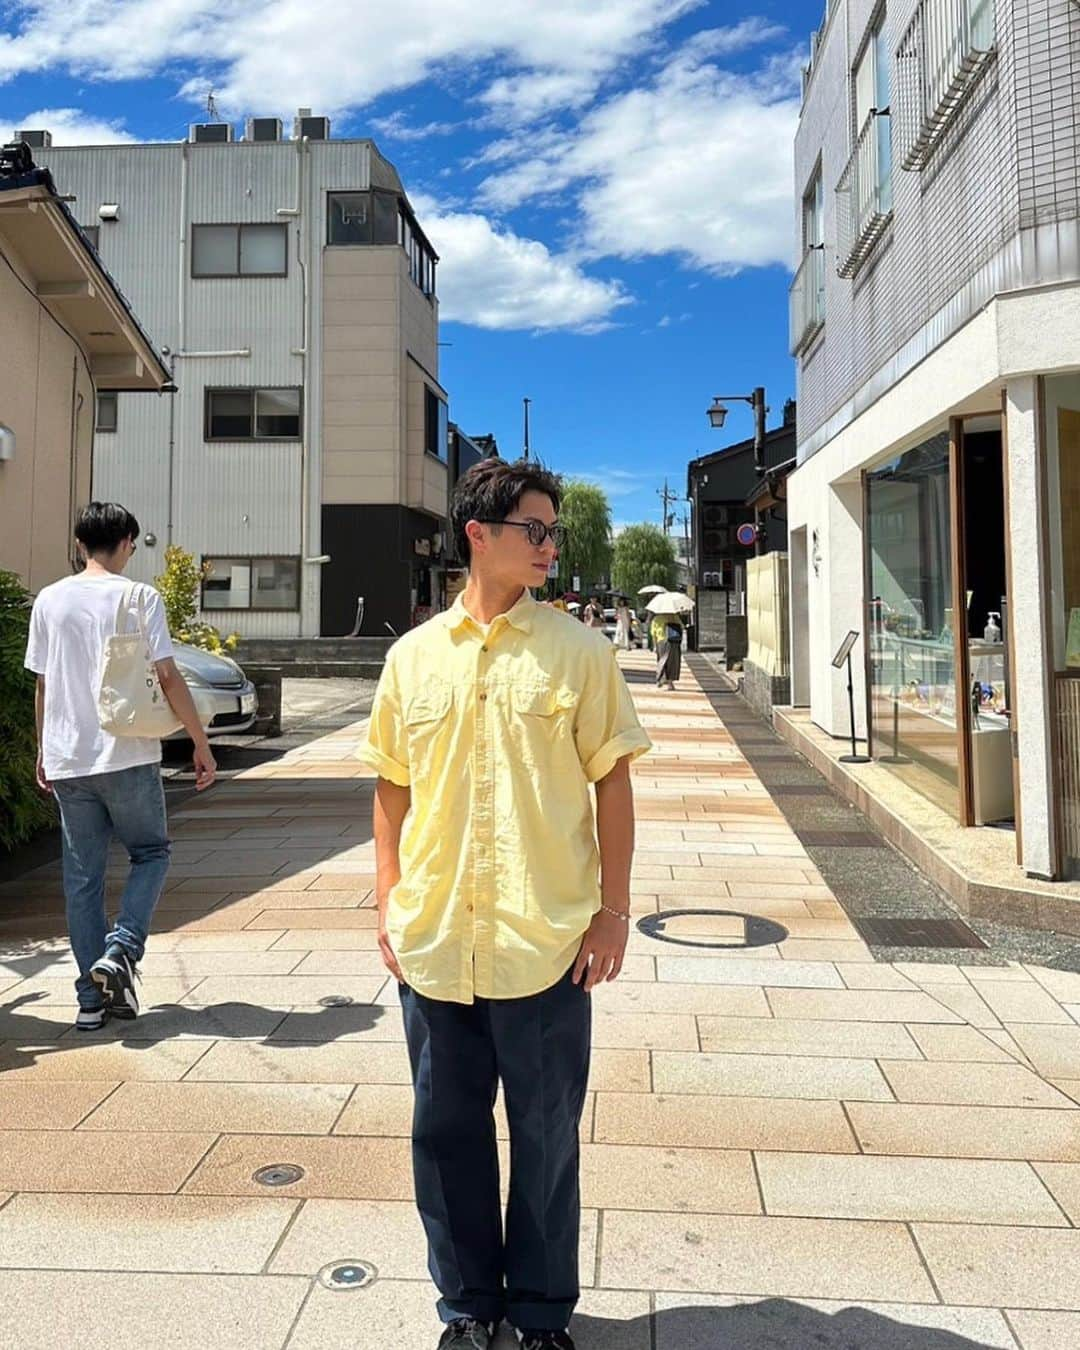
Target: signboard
(746, 534)
(576, 587)
(844, 650)
(553, 570)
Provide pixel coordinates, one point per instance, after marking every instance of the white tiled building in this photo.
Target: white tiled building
(936, 327)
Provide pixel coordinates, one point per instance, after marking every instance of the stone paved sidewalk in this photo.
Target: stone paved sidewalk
(784, 1146)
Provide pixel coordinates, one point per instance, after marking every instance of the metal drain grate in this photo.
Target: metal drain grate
(840, 838)
(278, 1174)
(918, 933)
(344, 1275)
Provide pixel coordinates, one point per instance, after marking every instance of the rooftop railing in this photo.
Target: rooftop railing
(806, 300)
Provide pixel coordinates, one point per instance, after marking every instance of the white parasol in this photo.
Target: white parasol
(651, 590)
(670, 602)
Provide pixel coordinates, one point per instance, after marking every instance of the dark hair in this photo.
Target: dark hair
(492, 489)
(101, 527)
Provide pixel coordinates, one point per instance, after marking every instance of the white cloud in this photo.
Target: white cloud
(697, 163)
(397, 127)
(272, 55)
(494, 278)
(71, 126)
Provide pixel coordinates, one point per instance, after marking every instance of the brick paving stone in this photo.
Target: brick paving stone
(120, 1161)
(769, 1076)
(287, 1108)
(28, 1105)
(970, 1084)
(722, 1122)
(1002, 1266)
(788, 1036)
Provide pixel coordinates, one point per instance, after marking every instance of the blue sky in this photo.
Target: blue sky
(608, 182)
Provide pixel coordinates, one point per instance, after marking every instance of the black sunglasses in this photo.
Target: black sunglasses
(537, 530)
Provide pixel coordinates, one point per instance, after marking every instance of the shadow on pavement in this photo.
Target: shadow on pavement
(28, 1038)
(772, 1324)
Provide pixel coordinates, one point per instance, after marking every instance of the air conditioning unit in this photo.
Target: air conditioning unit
(36, 140)
(211, 133)
(314, 128)
(263, 129)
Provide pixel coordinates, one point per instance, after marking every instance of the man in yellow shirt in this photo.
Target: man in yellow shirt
(502, 902)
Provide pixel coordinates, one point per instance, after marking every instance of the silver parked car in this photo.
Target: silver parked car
(233, 694)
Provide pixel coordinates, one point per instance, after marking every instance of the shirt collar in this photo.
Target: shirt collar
(519, 616)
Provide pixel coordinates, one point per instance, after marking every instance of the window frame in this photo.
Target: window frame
(239, 226)
(250, 558)
(113, 395)
(253, 390)
(441, 423)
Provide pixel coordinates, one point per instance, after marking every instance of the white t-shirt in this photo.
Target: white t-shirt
(69, 625)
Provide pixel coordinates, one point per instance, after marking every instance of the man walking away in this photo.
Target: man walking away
(104, 785)
(502, 902)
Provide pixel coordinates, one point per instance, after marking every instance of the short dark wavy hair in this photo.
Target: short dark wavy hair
(492, 489)
(101, 527)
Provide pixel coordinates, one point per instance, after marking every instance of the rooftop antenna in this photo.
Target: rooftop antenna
(212, 108)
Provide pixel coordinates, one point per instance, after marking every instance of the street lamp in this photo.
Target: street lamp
(716, 414)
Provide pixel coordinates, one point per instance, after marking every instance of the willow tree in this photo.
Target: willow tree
(586, 553)
(643, 556)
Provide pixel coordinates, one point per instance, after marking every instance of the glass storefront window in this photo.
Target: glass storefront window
(912, 653)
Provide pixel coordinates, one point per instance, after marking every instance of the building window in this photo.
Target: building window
(252, 415)
(252, 583)
(422, 258)
(807, 295)
(864, 193)
(362, 217)
(436, 425)
(239, 251)
(92, 232)
(945, 49)
(105, 419)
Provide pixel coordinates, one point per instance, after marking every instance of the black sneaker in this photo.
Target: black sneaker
(90, 1019)
(116, 974)
(466, 1333)
(545, 1340)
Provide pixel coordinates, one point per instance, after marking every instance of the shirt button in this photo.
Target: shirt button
(468, 909)
(483, 649)
(483, 697)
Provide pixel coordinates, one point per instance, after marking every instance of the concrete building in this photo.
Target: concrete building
(936, 326)
(67, 337)
(293, 293)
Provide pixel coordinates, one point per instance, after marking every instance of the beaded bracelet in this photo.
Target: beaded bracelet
(619, 913)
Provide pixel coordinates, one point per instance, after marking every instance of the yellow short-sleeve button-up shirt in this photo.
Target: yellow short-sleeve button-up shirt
(497, 732)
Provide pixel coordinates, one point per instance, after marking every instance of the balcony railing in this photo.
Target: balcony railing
(864, 194)
(945, 48)
(806, 300)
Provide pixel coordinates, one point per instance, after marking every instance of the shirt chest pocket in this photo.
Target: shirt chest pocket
(543, 715)
(427, 723)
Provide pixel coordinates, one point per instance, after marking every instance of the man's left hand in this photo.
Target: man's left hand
(602, 949)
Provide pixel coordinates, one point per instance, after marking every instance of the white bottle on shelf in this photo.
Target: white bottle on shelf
(992, 631)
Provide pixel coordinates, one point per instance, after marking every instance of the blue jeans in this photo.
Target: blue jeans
(539, 1047)
(129, 804)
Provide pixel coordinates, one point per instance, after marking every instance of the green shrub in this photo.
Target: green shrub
(179, 585)
(24, 809)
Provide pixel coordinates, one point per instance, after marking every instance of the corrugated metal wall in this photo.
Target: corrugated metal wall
(226, 497)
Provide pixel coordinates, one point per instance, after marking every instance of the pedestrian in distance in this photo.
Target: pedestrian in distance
(667, 635)
(503, 901)
(594, 613)
(105, 786)
(624, 624)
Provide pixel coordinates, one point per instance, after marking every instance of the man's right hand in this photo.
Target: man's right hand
(387, 952)
(39, 774)
(205, 766)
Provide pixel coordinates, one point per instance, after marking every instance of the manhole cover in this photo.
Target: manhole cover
(335, 1001)
(343, 1275)
(748, 930)
(941, 933)
(278, 1174)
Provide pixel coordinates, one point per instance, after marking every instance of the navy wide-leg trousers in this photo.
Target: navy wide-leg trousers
(538, 1047)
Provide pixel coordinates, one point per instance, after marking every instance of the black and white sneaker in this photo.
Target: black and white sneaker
(90, 1019)
(545, 1340)
(116, 974)
(466, 1333)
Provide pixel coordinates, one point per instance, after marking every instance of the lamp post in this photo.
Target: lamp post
(525, 404)
(716, 414)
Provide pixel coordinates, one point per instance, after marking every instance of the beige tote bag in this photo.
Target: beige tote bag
(131, 701)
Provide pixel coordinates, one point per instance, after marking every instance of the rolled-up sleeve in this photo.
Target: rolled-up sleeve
(607, 728)
(386, 749)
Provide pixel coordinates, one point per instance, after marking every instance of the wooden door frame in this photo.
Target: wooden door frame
(961, 661)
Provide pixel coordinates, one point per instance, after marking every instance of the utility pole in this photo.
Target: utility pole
(526, 402)
(667, 496)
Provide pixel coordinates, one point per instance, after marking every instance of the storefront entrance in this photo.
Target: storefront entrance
(938, 685)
